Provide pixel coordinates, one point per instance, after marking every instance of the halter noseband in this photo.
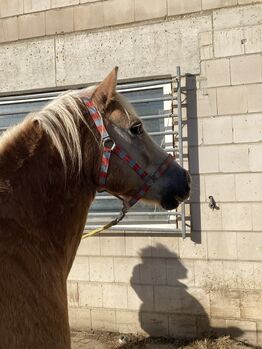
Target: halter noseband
(110, 147)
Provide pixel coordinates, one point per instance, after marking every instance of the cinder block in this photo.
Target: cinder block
(119, 12)
(257, 283)
(80, 269)
(182, 326)
(198, 193)
(259, 334)
(225, 303)
(208, 4)
(237, 17)
(72, 294)
(206, 38)
(138, 246)
(255, 160)
(229, 42)
(85, 1)
(168, 299)
(206, 102)
(245, 276)
(11, 8)
(79, 318)
(155, 324)
(8, 29)
(89, 16)
(62, 3)
(216, 72)
(236, 216)
(246, 2)
(153, 271)
(257, 216)
(244, 331)
(101, 269)
(89, 247)
(195, 134)
(222, 245)
(206, 52)
(209, 219)
(140, 297)
(31, 25)
(232, 100)
(208, 275)
(126, 269)
(149, 9)
(247, 128)
(248, 187)
(234, 158)
(191, 249)
(183, 6)
(128, 322)
(249, 246)
(251, 305)
(115, 296)
(253, 97)
(165, 246)
(180, 273)
(90, 294)
(33, 6)
(253, 41)
(104, 320)
(221, 187)
(195, 301)
(203, 159)
(29, 54)
(112, 245)
(217, 130)
(246, 69)
(59, 21)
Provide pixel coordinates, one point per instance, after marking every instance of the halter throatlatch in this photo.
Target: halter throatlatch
(110, 147)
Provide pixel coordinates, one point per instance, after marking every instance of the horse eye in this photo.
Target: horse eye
(136, 129)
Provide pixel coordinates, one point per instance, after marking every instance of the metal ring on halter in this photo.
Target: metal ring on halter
(109, 143)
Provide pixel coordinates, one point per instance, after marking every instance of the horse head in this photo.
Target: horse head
(124, 130)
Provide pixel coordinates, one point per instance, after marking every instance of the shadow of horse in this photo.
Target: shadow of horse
(171, 310)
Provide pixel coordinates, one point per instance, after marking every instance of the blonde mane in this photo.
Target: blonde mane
(61, 120)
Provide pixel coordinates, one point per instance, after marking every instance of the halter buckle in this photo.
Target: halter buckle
(109, 143)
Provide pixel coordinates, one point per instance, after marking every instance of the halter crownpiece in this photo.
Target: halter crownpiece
(110, 147)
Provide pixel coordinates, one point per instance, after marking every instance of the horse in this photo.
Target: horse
(49, 174)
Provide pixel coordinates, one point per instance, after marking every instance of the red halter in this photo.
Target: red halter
(110, 147)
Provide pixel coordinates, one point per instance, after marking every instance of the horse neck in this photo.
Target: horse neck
(40, 207)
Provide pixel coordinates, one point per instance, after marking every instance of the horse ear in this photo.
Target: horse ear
(106, 91)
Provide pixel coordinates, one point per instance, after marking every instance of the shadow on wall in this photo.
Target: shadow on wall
(169, 307)
(193, 156)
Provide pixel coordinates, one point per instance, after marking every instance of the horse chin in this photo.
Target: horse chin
(170, 203)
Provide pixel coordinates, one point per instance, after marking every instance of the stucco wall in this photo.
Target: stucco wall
(164, 285)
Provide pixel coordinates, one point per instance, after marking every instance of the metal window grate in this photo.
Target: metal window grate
(159, 104)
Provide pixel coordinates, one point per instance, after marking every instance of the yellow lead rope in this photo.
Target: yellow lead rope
(107, 226)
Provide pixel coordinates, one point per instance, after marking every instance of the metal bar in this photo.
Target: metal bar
(163, 133)
(143, 84)
(163, 116)
(180, 143)
(101, 214)
(126, 228)
(149, 100)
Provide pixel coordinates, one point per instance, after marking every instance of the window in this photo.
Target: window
(154, 102)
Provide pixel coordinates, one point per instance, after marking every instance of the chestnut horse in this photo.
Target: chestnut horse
(49, 169)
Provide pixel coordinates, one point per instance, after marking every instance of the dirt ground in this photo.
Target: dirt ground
(106, 340)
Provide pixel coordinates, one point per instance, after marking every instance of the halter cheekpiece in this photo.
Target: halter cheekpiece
(110, 147)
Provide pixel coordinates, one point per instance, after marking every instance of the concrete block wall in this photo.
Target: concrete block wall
(158, 285)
